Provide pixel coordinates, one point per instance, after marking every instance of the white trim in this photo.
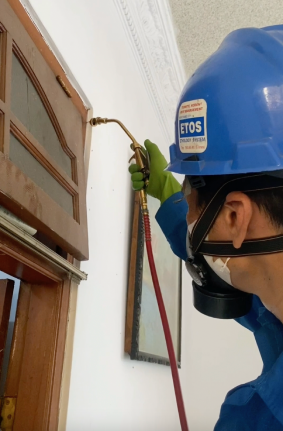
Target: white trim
(25, 238)
(51, 44)
(149, 28)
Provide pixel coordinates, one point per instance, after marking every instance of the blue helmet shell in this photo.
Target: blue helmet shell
(229, 118)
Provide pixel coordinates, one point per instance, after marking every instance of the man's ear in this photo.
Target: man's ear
(237, 216)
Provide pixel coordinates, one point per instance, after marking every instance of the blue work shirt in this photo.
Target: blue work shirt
(257, 405)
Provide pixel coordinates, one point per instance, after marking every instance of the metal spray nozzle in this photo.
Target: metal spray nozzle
(139, 155)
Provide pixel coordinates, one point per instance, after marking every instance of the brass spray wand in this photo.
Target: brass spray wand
(142, 161)
(139, 155)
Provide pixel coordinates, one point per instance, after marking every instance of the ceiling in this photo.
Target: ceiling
(201, 25)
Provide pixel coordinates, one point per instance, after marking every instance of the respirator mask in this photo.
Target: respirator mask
(213, 293)
(216, 264)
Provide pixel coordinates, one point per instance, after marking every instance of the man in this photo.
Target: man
(229, 146)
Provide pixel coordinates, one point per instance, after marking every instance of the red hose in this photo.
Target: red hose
(165, 324)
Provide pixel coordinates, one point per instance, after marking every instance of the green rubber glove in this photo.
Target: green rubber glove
(162, 184)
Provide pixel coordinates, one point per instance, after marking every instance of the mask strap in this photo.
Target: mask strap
(225, 265)
(253, 247)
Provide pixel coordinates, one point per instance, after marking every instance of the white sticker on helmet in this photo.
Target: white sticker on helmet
(192, 126)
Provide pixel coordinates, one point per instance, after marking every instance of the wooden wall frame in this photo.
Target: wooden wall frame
(18, 193)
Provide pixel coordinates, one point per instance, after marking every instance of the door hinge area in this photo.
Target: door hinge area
(8, 406)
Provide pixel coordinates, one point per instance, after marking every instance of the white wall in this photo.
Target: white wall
(108, 391)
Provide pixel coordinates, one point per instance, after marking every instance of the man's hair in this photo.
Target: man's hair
(269, 201)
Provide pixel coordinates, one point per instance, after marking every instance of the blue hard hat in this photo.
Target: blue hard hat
(229, 118)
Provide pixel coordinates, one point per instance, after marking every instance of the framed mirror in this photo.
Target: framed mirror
(144, 337)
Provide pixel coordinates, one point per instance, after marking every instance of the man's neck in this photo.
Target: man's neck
(270, 290)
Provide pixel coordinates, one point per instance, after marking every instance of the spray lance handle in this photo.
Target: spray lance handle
(140, 155)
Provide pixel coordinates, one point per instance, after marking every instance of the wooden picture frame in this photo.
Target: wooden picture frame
(144, 338)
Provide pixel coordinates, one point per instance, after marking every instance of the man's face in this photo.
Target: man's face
(217, 232)
(194, 211)
(239, 219)
(191, 196)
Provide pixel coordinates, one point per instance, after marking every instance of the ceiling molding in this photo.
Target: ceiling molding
(148, 26)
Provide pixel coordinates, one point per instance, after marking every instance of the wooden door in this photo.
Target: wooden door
(6, 295)
(33, 384)
(30, 389)
(30, 357)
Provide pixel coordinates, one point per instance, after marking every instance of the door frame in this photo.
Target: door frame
(37, 359)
